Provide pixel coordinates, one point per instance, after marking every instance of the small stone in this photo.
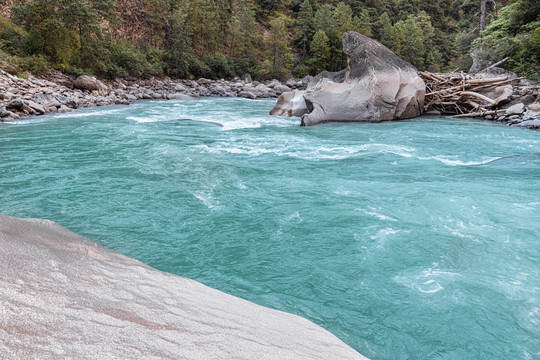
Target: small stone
(89, 83)
(530, 124)
(515, 109)
(10, 69)
(272, 83)
(290, 82)
(203, 81)
(36, 107)
(27, 109)
(181, 97)
(15, 104)
(4, 113)
(180, 88)
(247, 94)
(64, 109)
(262, 88)
(282, 88)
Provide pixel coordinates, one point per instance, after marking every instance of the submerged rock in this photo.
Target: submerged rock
(64, 296)
(181, 97)
(375, 86)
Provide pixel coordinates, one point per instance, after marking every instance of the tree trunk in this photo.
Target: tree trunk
(482, 15)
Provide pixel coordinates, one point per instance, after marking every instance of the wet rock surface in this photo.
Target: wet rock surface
(64, 296)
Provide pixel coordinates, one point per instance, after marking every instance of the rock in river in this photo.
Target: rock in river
(290, 103)
(375, 86)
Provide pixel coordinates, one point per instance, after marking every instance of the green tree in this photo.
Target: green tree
(320, 52)
(343, 20)
(408, 43)
(279, 50)
(242, 28)
(304, 24)
(365, 23)
(384, 29)
(180, 51)
(82, 17)
(324, 20)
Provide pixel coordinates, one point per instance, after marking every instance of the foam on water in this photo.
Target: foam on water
(408, 240)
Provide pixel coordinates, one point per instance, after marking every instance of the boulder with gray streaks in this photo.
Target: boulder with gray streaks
(64, 296)
(375, 86)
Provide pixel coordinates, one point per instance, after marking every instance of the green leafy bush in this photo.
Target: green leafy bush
(36, 64)
(219, 66)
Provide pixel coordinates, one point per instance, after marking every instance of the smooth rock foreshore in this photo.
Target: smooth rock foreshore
(65, 296)
(22, 96)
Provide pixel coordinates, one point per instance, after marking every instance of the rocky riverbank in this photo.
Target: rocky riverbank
(22, 96)
(493, 94)
(57, 92)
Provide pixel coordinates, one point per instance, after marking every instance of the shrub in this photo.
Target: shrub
(125, 59)
(245, 65)
(301, 70)
(13, 38)
(219, 66)
(36, 64)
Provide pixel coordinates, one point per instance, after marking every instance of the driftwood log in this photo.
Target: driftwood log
(462, 95)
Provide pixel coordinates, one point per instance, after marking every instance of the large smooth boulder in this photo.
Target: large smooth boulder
(89, 83)
(375, 86)
(64, 296)
(290, 103)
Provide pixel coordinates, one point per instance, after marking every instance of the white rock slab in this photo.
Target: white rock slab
(64, 296)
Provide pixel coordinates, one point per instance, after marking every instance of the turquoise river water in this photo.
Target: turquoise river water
(416, 239)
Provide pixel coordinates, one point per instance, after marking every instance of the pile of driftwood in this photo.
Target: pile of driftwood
(463, 95)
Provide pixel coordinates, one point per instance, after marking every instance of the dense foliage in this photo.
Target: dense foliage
(266, 38)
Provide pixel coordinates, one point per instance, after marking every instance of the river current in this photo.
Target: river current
(416, 239)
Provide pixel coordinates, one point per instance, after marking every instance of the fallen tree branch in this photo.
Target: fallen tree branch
(486, 81)
(480, 113)
(460, 93)
(479, 96)
(497, 63)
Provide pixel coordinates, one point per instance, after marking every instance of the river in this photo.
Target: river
(415, 239)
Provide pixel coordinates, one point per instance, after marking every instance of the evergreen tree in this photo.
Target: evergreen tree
(356, 24)
(320, 52)
(304, 23)
(180, 49)
(408, 42)
(385, 29)
(242, 28)
(342, 19)
(279, 50)
(324, 20)
(365, 23)
(356, 6)
(85, 20)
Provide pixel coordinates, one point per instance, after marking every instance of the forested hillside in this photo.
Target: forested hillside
(266, 38)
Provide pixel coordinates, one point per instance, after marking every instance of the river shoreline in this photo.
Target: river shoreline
(59, 93)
